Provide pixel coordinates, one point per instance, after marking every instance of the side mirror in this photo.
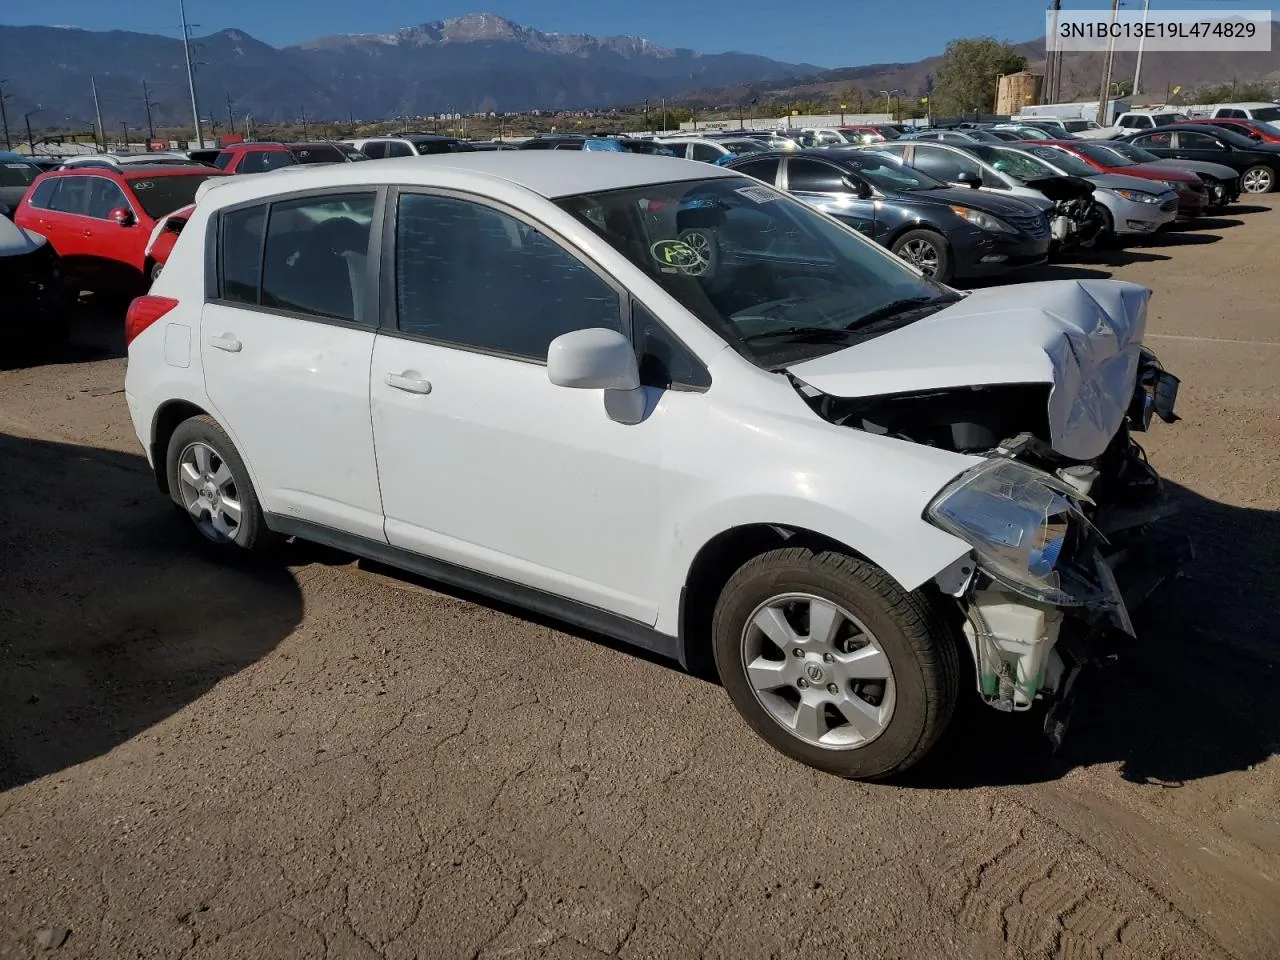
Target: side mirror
(123, 216)
(599, 359)
(861, 189)
(971, 180)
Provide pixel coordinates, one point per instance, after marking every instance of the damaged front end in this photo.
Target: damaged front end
(1074, 219)
(1064, 546)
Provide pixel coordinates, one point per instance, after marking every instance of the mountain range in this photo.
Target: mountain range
(471, 63)
(478, 62)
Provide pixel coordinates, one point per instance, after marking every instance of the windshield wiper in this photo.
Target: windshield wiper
(805, 335)
(896, 310)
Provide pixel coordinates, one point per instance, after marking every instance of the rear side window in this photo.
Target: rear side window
(313, 260)
(766, 170)
(72, 195)
(375, 150)
(706, 153)
(813, 176)
(398, 148)
(474, 276)
(42, 194)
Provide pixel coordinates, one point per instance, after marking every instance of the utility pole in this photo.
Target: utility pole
(124, 126)
(304, 123)
(1104, 95)
(646, 114)
(1137, 70)
(664, 114)
(4, 115)
(191, 73)
(1053, 58)
(31, 141)
(146, 102)
(97, 111)
(231, 117)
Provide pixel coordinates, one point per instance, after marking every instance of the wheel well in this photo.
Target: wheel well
(168, 419)
(910, 227)
(711, 569)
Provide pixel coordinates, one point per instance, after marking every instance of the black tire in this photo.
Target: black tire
(1106, 235)
(250, 534)
(941, 252)
(1261, 171)
(920, 650)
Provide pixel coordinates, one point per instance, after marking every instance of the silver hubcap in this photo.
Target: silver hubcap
(818, 671)
(922, 253)
(1257, 181)
(209, 492)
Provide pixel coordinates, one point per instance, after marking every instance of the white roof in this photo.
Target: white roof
(548, 173)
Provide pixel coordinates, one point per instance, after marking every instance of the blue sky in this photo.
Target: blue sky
(830, 33)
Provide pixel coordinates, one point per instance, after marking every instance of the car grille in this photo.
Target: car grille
(1032, 224)
(1169, 205)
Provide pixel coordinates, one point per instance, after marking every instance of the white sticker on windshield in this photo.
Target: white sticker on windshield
(17, 166)
(757, 194)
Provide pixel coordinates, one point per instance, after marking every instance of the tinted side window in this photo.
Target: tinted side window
(376, 150)
(223, 159)
(1198, 141)
(314, 258)
(72, 195)
(813, 176)
(474, 276)
(104, 196)
(398, 148)
(706, 153)
(766, 170)
(241, 257)
(1156, 141)
(42, 194)
(945, 166)
(664, 361)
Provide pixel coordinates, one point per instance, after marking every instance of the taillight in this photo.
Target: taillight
(143, 312)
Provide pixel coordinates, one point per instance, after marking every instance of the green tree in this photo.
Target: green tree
(966, 80)
(1232, 92)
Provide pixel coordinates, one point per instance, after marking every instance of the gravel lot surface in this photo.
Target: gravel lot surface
(325, 759)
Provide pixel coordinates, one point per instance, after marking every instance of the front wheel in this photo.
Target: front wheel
(1258, 179)
(927, 251)
(209, 480)
(836, 666)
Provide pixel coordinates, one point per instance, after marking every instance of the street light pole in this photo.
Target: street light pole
(97, 111)
(191, 73)
(1104, 94)
(4, 115)
(124, 126)
(146, 101)
(1142, 39)
(31, 141)
(231, 117)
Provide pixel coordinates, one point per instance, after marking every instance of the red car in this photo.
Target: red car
(1193, 198)
(261, 157)
(100, 219)
(1259, 130)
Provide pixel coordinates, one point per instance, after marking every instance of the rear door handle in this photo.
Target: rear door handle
(226, 342)
(410, 382)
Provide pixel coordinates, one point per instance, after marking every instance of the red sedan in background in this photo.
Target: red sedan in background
(100, 219)
(1259, 130)
(261, 157)
(1193, 198)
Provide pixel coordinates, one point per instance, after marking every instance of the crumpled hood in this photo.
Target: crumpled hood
(1082, 337)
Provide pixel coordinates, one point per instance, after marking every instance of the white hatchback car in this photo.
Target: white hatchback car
(668, 403)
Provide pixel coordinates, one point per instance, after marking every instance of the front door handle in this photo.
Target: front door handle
(226, 342)
(410, 382)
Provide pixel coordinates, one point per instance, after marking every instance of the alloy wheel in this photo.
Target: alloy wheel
(209, 492)
(922, 254)
(818, 671)
(1257, 180)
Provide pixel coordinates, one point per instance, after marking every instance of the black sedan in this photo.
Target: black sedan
(1257, 163)
(944, 231)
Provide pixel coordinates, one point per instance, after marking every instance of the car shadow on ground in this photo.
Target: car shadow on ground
(1200, 224)
(1246, 208)
(1193, 697)
(1036, 274)
(111, 617)
(96, 333)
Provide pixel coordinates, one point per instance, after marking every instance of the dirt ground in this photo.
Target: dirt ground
(328, 760)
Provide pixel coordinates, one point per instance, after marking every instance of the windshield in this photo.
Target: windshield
(1130, 153)
(739, 147)
(1066, 162)
(646, 146)
(17, 174)
(161, 195)
(888, 172)
(769, 274)
(888, 133)
(1016, 163)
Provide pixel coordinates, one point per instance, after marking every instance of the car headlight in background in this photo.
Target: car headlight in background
(1018, 520)
(984, 221)
(1137, 196)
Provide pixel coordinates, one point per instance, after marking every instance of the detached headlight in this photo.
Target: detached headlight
(1137, 196)
(1018, 520)
(984, 221)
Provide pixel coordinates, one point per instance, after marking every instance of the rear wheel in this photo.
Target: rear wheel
(209, 480)
(1258, 179)
(927, 251)
(832, 663)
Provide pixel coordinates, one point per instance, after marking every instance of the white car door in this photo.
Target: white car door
(286, 345)
(483, 462)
